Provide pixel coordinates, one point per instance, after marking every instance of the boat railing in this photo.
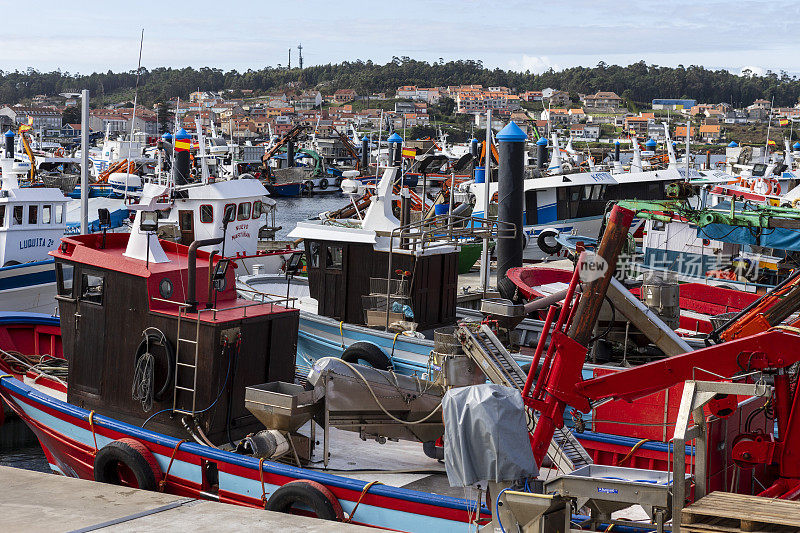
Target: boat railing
(441, 231)
(281, 301)
(447, 230)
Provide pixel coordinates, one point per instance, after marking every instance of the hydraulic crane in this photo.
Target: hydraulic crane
(291, 136)
(348, 145)
(771, 351)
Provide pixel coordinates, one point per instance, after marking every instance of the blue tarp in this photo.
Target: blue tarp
(780, 238)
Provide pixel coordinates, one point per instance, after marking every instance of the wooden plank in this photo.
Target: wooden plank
(722, 511)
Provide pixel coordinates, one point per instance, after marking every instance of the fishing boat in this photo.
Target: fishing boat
(31, 222)
(204, 347)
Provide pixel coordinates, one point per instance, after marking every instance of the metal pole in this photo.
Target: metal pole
(688, 153)
(485, 266)
(84, 161)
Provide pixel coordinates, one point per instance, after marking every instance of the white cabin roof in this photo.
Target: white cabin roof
(34, 194)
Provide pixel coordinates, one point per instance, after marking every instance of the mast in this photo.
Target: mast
(769, 124)
(135, 96)
(688, 153)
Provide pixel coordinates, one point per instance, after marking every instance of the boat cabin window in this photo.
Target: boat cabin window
(658, 225)
(206, 213)
(46, 214)
(244, 210)
(33, 214)
(258, 207)
(64, 279)
(59, 214)
(92, 289)
(333, 257)
(18, 214)
(2, 216)
(313, 251)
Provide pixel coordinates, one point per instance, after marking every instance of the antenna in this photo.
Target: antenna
(290, 59)
(300, 51)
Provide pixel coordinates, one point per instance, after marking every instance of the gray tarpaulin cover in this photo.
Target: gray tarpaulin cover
(485, 435)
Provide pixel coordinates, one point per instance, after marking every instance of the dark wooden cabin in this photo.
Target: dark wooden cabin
(339, 275)
(109, 303)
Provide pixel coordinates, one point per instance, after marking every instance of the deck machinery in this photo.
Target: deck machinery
(714, 376)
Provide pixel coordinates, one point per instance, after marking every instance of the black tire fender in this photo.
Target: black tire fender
(135, 456)
(541, 242)
(367, 352)
(309, 493)
(507, 289)
(323, 184)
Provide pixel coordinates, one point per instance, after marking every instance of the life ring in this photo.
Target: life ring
(760, 186)
(776, 187)
(323, 184)
(367, 352)
(541, 242)
(59, 152)
(153, 339)
(127, 462)
(309, 494)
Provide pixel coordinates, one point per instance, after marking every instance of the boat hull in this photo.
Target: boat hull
(70, 443)
(29, 287)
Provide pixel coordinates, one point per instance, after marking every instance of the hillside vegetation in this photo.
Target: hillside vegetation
(638, 82)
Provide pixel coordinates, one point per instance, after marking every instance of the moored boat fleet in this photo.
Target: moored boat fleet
(633, 353)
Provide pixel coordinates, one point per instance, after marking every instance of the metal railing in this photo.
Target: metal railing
(254, 303)
(441, 231)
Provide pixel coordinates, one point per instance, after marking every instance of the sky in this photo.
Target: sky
(91, 36)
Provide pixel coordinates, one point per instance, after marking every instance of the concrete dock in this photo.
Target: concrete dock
(33, 501)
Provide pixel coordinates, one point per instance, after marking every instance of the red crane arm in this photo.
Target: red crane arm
(776, 348)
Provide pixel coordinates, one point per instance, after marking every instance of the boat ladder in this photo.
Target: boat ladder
(486, 350)
(181, 364)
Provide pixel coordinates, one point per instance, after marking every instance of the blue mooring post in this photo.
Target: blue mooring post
(475, 152)
(9, 137)
(616, 150)
(541, 152)
(290, 154)
(182, 144)
(396, 151)
(510, 194)
(364, 154)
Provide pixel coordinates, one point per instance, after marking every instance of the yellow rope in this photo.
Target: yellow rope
(391, 356)
(91, 426)
(7, 376)
(341, 332)
(361, 497)
(261, 478)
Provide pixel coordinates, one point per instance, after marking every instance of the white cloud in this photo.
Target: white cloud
(754, 71)
(535, 64)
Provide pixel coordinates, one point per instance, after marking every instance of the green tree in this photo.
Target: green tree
(71, 115)
(446, 106)
(165, 117)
